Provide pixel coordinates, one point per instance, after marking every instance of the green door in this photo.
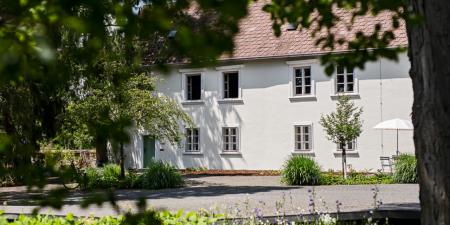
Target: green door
(149, 149)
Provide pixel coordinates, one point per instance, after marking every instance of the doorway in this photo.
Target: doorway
(149, 149)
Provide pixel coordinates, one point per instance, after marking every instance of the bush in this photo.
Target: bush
(110, 174)
(108, 177)
(405, 169)
(160, 175)
(355, 178)
(300, 170)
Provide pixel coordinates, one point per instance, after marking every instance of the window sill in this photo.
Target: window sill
(353, 153)
(231, 101)
(354, 95)
(192, 153)
(231, 153)
(301, 98)
(307, 153)
(193, 102)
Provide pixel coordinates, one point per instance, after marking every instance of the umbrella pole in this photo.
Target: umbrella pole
(397, 142)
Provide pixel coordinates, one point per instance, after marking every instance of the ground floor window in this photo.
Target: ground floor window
(350, 146)
(230, 137)
(192, 140)
(303, 139)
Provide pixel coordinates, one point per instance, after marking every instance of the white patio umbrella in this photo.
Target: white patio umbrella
(395, 124)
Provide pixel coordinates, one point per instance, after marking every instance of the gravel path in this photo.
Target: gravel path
(235, 194)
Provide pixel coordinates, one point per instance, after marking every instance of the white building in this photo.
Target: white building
(263, 104)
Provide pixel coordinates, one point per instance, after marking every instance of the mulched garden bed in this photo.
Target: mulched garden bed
(231, 172)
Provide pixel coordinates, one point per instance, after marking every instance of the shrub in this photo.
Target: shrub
(110, 174)
(106, 177)
(160, 175)
(355, 178)
(92, 178)
(300, 170)
(405, 169)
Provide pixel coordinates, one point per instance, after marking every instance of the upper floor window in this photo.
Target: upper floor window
(302, 84)
(230, 136)
(193, 86)
(349, 146)
(303, 138)
(192, 143)
(230, 85)
(302, 81)
(345, 80)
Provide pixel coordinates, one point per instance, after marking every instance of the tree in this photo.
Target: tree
(428, 50)
(46, 47)
(132, 104)
(41, 42)
(343, 126)
(30, 41)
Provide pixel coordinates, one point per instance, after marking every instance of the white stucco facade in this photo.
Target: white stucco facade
(266, 114)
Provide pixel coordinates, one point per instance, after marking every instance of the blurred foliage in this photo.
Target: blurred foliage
(65, 157)
(405, 169)
(63, 66)
(321, 19)
(144, 218)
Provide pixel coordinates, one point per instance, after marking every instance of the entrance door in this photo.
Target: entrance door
(149, 149)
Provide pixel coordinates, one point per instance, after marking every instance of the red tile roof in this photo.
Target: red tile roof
(257, 40)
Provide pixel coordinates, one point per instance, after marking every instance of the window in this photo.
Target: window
(230, 85)
(230, 90)
(350, 146)
(345, 80)
(230, 139)
(302, 81)
(193, 87)
(192, 140)
(303, 139)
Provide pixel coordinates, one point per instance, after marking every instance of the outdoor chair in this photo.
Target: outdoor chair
(386, 164)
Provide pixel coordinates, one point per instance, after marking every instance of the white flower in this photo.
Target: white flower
(327, 219)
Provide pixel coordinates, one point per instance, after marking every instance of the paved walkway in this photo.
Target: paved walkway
(239, 195)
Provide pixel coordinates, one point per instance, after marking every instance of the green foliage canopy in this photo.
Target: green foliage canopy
(321, 18)
(50, 50)
(344, 125)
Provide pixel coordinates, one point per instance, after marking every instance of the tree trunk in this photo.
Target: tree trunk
(101, 151)
(122, 161)
(429, 52)
(344, 162)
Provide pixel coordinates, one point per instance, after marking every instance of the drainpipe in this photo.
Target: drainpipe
(381, 106)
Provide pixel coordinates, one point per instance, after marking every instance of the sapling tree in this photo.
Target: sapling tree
(343, 126)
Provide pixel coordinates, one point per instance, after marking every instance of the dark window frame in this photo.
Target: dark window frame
(231, 85)
(193, 81)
